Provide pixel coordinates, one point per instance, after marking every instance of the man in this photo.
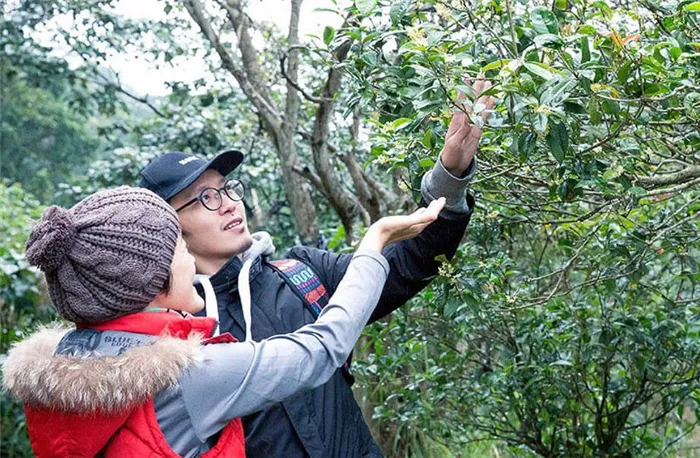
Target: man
(255, 301)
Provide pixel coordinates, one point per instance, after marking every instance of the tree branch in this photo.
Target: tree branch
(143, 100)
(292, 97)
(249, 55)
(361, 188)
(312, 177)
(266, 109)
(674, 189)
(295, 85)
(681, 176)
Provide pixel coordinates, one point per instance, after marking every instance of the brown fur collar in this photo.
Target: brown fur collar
(37, 377)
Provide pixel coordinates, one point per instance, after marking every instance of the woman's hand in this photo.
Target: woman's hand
(392, 229)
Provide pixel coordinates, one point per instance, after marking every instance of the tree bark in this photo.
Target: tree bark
(345, 204)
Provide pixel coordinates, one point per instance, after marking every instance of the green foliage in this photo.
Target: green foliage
(22, 302)
(568, 324)
(20, 292)
(42, 141)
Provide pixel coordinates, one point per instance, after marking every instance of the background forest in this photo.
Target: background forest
(568, 325)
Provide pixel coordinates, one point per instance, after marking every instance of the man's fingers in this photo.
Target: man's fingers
(408, 226)
(479, 87)
(488, 103)
(456, 122)
(485, 87)
(464, 124)
(430, 215)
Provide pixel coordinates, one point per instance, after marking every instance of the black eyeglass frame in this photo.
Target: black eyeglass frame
(200, 197)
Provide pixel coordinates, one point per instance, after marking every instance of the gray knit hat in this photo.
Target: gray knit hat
(107, 256)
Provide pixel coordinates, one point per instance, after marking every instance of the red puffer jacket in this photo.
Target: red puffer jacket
(80, 406)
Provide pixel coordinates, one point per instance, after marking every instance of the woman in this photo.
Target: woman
(138, 365)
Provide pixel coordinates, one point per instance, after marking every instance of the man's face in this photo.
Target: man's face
(213, 237)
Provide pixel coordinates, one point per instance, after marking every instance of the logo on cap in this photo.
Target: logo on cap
(187, 160)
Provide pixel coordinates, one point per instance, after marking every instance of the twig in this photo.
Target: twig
(616, 132)
(295, 85)
(143, 100)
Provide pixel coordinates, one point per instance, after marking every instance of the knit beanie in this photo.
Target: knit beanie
(107, 256)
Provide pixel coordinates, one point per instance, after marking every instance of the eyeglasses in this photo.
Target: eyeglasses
(211, 198)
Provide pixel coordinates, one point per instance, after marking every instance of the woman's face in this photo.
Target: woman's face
(182, 295)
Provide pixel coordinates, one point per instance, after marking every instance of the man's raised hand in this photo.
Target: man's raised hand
(462, 138)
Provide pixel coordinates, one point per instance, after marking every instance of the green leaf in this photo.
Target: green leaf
(585, 50)
(613, 172)
(365, 7)
(526, 143)
(544, 21)
(400, 123)
(589, 30)
(604, 8)
(637, 191)
(426, 163)
(611, 107)
(468, 91)
(692, 8)
(428, 139)
(370, 58)
(624, 72)
(398, 10)
(328, 35)
(549, 40)
(575, 108)
(558, 140)
(451, 307)
(538, 69)
(494, 65)
(527, 83)
(652, 89)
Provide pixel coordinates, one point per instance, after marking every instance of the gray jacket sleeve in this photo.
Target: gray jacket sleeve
(241, 378)
(439, 182)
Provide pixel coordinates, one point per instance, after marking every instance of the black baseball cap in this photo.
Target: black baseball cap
(172, 172)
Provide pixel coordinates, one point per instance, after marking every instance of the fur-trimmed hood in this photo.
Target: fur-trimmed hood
(38, 377)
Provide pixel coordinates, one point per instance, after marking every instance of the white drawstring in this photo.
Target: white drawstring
(244, 293)
(210, 304)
